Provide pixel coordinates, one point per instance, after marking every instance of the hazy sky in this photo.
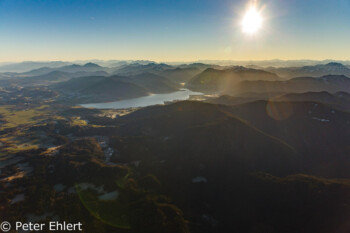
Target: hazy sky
(172, 30)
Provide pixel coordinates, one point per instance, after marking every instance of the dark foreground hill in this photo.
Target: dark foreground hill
(190, 167)
(329, 83)
(209, 135)
(209, 159)
(318, 131)
(339, 100)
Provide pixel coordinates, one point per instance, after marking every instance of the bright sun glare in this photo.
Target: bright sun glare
(252, 21)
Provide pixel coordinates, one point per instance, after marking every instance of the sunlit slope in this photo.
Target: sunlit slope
(215, 80)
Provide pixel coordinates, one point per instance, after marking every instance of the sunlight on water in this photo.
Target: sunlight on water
(144, 101)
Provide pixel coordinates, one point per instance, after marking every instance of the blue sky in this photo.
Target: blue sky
(176, 30)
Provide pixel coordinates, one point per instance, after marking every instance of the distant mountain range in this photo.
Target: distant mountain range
(88, 67)
(332, 68)
(206, 78)
(29, 65)
(214, 80)
(137, 68)
(178, 74)
(52, 77)
(274, 63)
(181, 74)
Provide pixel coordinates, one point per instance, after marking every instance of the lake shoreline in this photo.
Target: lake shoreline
(153, 99)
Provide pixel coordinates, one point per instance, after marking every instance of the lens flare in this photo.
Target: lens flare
(279, 111)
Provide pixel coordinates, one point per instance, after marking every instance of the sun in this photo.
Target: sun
(252, 20)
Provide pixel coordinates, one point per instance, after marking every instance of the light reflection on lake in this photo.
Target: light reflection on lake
(153, 99)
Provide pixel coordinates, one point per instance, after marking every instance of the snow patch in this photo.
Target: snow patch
(59, 187)
(109, 196)
(85, 186)
(18, 198)
(199, 179)
(136, 163)
(319, 119)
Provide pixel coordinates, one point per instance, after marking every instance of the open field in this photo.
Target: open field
(13, 117)
(16, 121)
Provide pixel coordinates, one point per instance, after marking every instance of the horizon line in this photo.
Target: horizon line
(178, 61)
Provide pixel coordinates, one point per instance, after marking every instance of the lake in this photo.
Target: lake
(145, 101)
